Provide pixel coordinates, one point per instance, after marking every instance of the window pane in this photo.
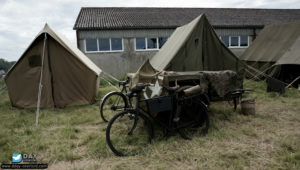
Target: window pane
(116, 44)
(225, 40)
(140, 43)
(104, 44)
(244, 41)
(234, 41)
(162, 41)
(152, 43)
(91, 45)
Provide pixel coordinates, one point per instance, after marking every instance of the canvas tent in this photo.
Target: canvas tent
(276, 52)
(195, 47)
(68, 76)
(193, 52)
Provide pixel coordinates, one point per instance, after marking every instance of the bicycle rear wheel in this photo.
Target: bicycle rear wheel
(195, 111)
(202, 117)
(128, 133)
(111, 104)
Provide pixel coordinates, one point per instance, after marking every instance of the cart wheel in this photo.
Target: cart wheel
(197, 112)
(128, 133)
(202, 118)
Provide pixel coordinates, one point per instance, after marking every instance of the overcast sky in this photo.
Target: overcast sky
(21, 20)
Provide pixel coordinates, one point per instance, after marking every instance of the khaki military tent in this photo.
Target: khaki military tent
(276, 52)
(196, 47)
(67, 76)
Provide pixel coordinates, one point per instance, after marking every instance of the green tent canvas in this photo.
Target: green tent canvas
(196, 47)
(276, 51)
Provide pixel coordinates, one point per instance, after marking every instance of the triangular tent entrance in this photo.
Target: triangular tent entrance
(69, 77)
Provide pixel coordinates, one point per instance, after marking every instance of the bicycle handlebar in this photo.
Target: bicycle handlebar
(123, 83)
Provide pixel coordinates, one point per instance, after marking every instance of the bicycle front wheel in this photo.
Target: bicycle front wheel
(111, 104)
(128, 133)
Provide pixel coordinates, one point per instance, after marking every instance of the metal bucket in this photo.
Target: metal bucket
(248, 107)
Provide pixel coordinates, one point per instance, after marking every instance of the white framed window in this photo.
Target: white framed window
(140, 44)
(235, 41)
(244, 41)
(116, 44)
(225, 40)
(151, 43)
(162, 41)
(91, 45)
(104, 45)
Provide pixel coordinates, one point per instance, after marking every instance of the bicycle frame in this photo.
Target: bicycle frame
(194, 112)
(123, 91)
(170, 126)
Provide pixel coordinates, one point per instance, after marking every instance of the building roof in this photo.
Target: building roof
(138, 18)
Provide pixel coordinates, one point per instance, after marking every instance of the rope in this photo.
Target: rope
(292, 82)
(111, 76)
(251, 74)
(257, 71)
(265, 75)
(110, 84)
(261, 72)
(40, 85)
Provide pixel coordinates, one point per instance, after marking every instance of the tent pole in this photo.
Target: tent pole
(40, 84)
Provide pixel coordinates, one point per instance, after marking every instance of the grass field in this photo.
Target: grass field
(74, 138)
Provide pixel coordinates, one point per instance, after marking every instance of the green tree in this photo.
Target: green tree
(5, 65)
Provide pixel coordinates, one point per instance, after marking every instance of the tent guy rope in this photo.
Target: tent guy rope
(110, 84)
(292, 82)
(261, 73)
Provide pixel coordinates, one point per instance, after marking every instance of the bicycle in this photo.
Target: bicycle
(114, 102)
(130, 131)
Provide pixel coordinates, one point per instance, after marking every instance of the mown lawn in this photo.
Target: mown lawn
(74, 138)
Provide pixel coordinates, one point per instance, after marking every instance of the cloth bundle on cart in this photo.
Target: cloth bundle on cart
(216, 84)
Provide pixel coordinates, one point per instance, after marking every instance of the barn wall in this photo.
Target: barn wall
(120, 63)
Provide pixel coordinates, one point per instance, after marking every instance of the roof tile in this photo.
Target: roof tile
(136, 18)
